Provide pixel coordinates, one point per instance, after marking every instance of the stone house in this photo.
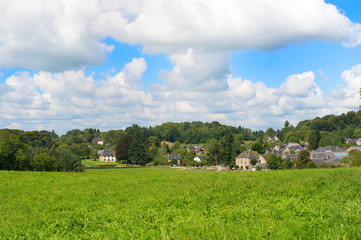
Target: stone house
(107, 155)
(244, 159)
(99, 141)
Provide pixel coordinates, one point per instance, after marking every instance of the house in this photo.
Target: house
(199, 158)
(330, 148)
(262, 160)
(349, 140)
(171, 157)
(358, 142)
(107, 155)
(323, 157)
(99, 141)
(191, 148)
(243, 160)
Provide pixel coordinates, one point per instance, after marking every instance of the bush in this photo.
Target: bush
(258, 168)
(236, 167)
(231, 166)
(43, 162)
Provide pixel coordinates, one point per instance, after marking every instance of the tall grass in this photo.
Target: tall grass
(164, 203)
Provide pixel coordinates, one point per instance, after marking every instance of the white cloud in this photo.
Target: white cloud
(68, 35)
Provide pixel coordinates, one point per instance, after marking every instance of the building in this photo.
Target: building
(199, 158)
(107, 155)
(99, 141)
(243, 160)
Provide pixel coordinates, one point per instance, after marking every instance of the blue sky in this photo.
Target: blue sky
(111, 64)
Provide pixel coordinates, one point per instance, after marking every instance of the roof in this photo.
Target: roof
(107, 153)
(247, 154)
(171, 157)
(354, 148)
(330, 148)
(98, 140)
(264, 156)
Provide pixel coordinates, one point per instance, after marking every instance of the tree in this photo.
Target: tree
(122, 148)
(44, 162)
(287, 124)
(273, 161)
(12, 155)
(227, 147)
(288, 163)
(213, 151)
(68, 162)
(253, 161)
(303, 158)
(136, 151)
(353, 159)
(313, 140)
(257, 146)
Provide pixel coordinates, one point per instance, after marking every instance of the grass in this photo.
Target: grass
(93, 163)
(164, 203)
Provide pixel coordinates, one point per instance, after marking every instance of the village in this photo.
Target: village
(329, 156)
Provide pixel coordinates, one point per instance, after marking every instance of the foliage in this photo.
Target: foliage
(122, 148)
(288, 163)
(313, 140)
(353, 159)
(68, 162)
(44, 162)
(253, 161)
(303, 159)
(257, 146)
(136, 151)
(273, 161)
(231, 166)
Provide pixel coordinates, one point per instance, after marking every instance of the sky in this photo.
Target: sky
(109, 64)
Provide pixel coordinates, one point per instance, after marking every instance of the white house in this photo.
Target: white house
(107, 156)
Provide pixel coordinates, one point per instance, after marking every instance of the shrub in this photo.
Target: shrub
(258, 168)
(231, 166)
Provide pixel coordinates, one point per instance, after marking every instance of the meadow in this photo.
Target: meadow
(164, 203)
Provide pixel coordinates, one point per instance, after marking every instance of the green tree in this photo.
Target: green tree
(68, 162)
(257, 146)
(288, 163)
(137, 154)
(122, 148)
(303, 158)
(227, 147)
(12, 155)
(44, 162)
(353, 159)
(313, 140)
(273, 161)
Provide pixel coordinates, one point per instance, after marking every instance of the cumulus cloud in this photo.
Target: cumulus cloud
(68, 35)
(45, 100)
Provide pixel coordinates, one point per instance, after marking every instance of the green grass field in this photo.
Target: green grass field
(93, 163)
(164, 203)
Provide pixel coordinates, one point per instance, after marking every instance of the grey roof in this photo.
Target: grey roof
(278, 153)
(171, 157)
(354, 148)
(247, 154)
(107, 153)
(97, 139)
(190, 148)
(291, 156)
(265, 156)
(330, 148)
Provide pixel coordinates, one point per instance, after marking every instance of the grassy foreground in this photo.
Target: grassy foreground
(163, 203)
